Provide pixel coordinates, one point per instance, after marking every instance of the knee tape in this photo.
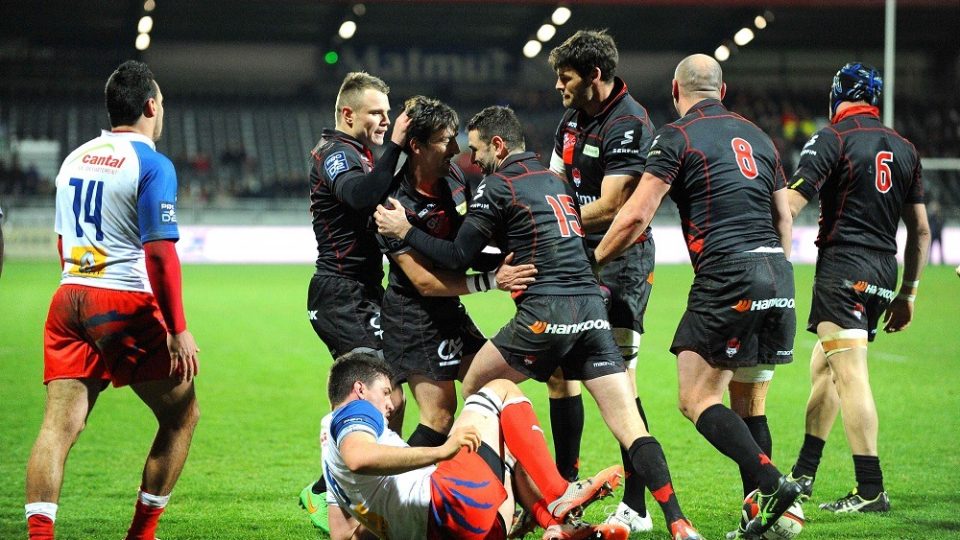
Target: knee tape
(628, 340)
(842, 341)
(484, 402)
(754, 374)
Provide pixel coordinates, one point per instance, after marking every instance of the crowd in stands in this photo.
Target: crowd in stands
(250, 150)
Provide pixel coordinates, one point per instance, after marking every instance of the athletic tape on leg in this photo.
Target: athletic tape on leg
(485, 402)
(628, 340)
(753, 374)
(843, 341)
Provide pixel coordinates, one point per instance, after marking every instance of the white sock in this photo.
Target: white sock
(156, 501)
(41, 508)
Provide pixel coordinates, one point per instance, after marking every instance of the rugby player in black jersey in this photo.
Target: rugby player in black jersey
(868, 178)
(561, 319)
(726, 178)
(428, 337)
(600, 148)
(343, 299)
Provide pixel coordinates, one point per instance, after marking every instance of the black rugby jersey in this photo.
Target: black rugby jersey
(345, 236)
(529, 211)
(723, 171)
(865, 173)
(613, 142)
(440, 216)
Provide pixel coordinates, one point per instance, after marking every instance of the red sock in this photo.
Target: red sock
(542, 516)
(524, 437)
(145, 520)
(40, 527)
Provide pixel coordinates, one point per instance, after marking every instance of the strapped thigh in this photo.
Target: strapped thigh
(843, 340)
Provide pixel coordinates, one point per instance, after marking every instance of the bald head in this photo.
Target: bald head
(699, 77)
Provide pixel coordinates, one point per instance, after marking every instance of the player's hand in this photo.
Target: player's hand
(400, 125)
(184, 363)
(898, 316)
(392, 222)
(514, 278)
(459, 437)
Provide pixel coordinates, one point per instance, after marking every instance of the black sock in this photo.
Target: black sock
(426, 436)
(320, 486)
(634, 492)
(809, 459)
(643, 415)
(566, 421)
(869, 476)
(728, 434)
(761, 434)
(651, 466)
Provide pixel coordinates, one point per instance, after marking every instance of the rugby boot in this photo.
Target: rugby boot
(316, 507)
(624, 515)
(682, 529)
(853, 502)
(581, 531)
(770, 506)
(582, 493)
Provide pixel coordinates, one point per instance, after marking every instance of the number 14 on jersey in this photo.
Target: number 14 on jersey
(90, 194)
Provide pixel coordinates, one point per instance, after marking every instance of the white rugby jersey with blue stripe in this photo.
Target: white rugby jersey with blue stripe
(114, 193)
(394, 506)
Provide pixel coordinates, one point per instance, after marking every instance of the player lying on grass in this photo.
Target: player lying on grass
(380, 487)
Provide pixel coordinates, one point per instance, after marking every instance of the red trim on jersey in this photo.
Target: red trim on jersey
(163, 270)
(855, 110)
(60, 250)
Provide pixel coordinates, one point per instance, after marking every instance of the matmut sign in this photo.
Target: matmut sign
(419, 65)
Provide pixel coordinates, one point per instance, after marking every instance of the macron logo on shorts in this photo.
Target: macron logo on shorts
(335, 164)
(746, 304)
(543, 327)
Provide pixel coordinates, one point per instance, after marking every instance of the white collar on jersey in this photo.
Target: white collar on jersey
(131, 136)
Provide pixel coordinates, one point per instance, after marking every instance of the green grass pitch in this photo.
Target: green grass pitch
(261, 392)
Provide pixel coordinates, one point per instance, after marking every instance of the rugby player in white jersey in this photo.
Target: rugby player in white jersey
(118, 313)
(378, 486)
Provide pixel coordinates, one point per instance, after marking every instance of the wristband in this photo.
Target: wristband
(481, 282)
(907, 297)
(915, 283)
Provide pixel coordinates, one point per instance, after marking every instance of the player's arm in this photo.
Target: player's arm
(795, 202)
(633, 218)
(156, 215)
(362, 191)
(430, 281)
(615, 190)
(900, 312)
(452, 255)
(783, 218)
(817, 159)
(362, 454)
(163, 271)
(625, 145)
(556, 164)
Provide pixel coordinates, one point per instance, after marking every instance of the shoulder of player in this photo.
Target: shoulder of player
(357, 415)
(627, 107)
(456, 177)
(151, 159)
